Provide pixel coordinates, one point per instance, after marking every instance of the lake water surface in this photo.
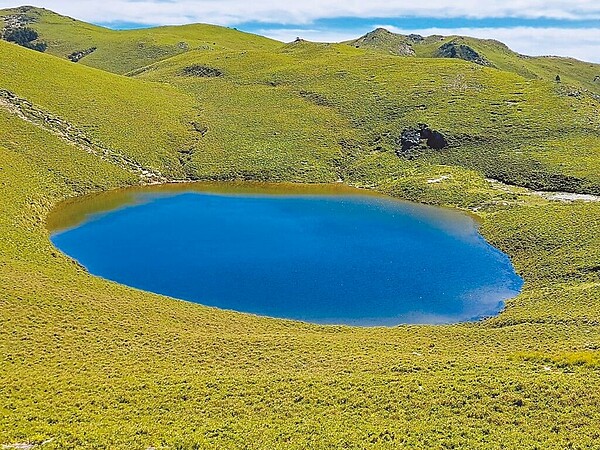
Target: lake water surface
(323, 254)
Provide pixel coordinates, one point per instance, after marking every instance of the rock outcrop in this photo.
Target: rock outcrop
(454, 49)
(382, 39)
(199, 70)
(14, 21)
(420, 138)
(16, 30)
(77, 56)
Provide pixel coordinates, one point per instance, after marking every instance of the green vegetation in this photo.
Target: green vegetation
(87, 363)
(124, 51)
(496, 122)
(25, 38)
(487, 52)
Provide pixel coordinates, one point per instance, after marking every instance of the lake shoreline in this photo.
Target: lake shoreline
(77, 213)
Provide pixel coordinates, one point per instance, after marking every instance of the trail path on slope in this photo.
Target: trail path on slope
(66, 131)
(555, 196)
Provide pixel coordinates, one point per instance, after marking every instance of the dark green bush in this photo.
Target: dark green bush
(21, 36)
(199, 70)
(25, 38)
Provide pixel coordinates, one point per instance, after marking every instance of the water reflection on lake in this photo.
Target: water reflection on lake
(323, 254)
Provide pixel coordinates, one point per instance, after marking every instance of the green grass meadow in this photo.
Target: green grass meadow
(88, 363)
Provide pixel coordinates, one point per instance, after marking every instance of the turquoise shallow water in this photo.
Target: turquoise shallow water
(335, 259)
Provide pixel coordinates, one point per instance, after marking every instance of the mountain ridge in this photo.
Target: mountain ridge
(487, 52)
(86, 43)
(121, 51)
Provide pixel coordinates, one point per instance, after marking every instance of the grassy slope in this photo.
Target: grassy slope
(124, 51)
(571, 71)
(94, 364)
(163, 115)
(496, 122)
(574, 72)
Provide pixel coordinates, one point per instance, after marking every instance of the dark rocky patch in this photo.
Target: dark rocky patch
(199, 128)
(420, 138)
(593, 269)
(415, 38)
(201, 71)
(21, 35)
(315, 98)
(433, 139)
(410, 138)
(454, 49)
(16, 30)
(77, 56)
(25, 37)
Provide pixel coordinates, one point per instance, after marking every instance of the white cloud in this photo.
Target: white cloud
(231, 12)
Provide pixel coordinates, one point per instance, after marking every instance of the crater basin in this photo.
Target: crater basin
(325, 254)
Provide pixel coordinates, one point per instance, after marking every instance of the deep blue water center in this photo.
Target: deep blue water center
(333, 259)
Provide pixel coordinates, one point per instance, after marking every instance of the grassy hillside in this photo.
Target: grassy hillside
(495, 122)
(87, 363)
(124, 51)
(127, 50)
(488, 52)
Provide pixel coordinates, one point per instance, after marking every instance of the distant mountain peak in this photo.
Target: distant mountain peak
(380, 30)
(407, 45)
(382, 39)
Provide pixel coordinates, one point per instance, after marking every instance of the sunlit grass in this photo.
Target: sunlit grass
(92, 364)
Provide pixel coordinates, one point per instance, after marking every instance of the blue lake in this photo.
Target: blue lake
(319, 254)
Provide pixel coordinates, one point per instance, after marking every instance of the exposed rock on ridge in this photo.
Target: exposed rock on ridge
(16, 30)
(455, 49)
(383, 39)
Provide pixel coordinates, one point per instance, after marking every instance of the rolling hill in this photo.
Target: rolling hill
(87, 363)
(486, 52)
(124, 51)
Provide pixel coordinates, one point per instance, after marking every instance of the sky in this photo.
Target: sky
(532, 27)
